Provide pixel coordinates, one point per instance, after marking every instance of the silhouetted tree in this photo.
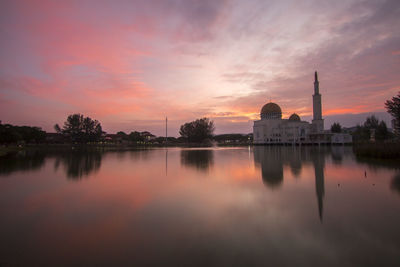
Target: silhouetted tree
(197, 131)
(136, 137)
(371, 122)
(393, 108)
(80, 129)
(336, 128)
(123, 135)
(363, 132)
(382, 132)
(13, 134)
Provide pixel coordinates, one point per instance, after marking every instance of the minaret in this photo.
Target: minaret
(317, 122)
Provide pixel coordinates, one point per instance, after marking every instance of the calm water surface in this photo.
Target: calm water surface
(261, 206)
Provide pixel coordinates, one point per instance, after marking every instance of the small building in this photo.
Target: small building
(147, 136)
(113, 138)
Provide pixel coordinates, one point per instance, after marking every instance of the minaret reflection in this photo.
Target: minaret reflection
(318, 160)
(271, 160)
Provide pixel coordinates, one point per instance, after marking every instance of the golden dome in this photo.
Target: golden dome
(271, 111)
(270, 107)
(294, 117)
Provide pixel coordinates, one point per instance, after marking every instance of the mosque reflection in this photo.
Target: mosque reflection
(271, 160)
(200, 160)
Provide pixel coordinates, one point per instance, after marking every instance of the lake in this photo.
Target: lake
(244, 206)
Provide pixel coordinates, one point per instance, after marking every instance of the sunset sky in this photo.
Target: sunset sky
(129, 64)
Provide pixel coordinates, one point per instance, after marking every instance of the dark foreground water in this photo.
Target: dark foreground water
(261, 206)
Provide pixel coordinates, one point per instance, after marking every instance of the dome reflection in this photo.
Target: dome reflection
(271, 160)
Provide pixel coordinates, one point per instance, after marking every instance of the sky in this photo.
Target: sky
(129, 64)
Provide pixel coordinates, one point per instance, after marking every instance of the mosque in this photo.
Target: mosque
(272, 129)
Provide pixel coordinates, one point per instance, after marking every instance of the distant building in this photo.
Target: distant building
(234, 138)
(148, 136)
(125, 139)
(114, 138)
(272, 129)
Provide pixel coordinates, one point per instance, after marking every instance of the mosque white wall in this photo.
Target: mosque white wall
(275, 131)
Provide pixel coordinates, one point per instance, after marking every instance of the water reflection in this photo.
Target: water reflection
(78, 164)
(166, 162)
(295, 162)
(21, 161)
(379, 163)
(272, 159)
(138, 154)
(337, 154)
(318, 160)
(395, 184)
(376, 164)
(131, 214)
(201, 160)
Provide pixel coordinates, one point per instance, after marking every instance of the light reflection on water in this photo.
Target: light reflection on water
(221, 206)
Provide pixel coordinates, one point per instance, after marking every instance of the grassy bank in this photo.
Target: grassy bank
(377, 150)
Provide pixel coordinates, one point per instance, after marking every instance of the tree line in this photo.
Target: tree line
(80, 129)
(373, 126)
(14, 134)
(363, 131)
